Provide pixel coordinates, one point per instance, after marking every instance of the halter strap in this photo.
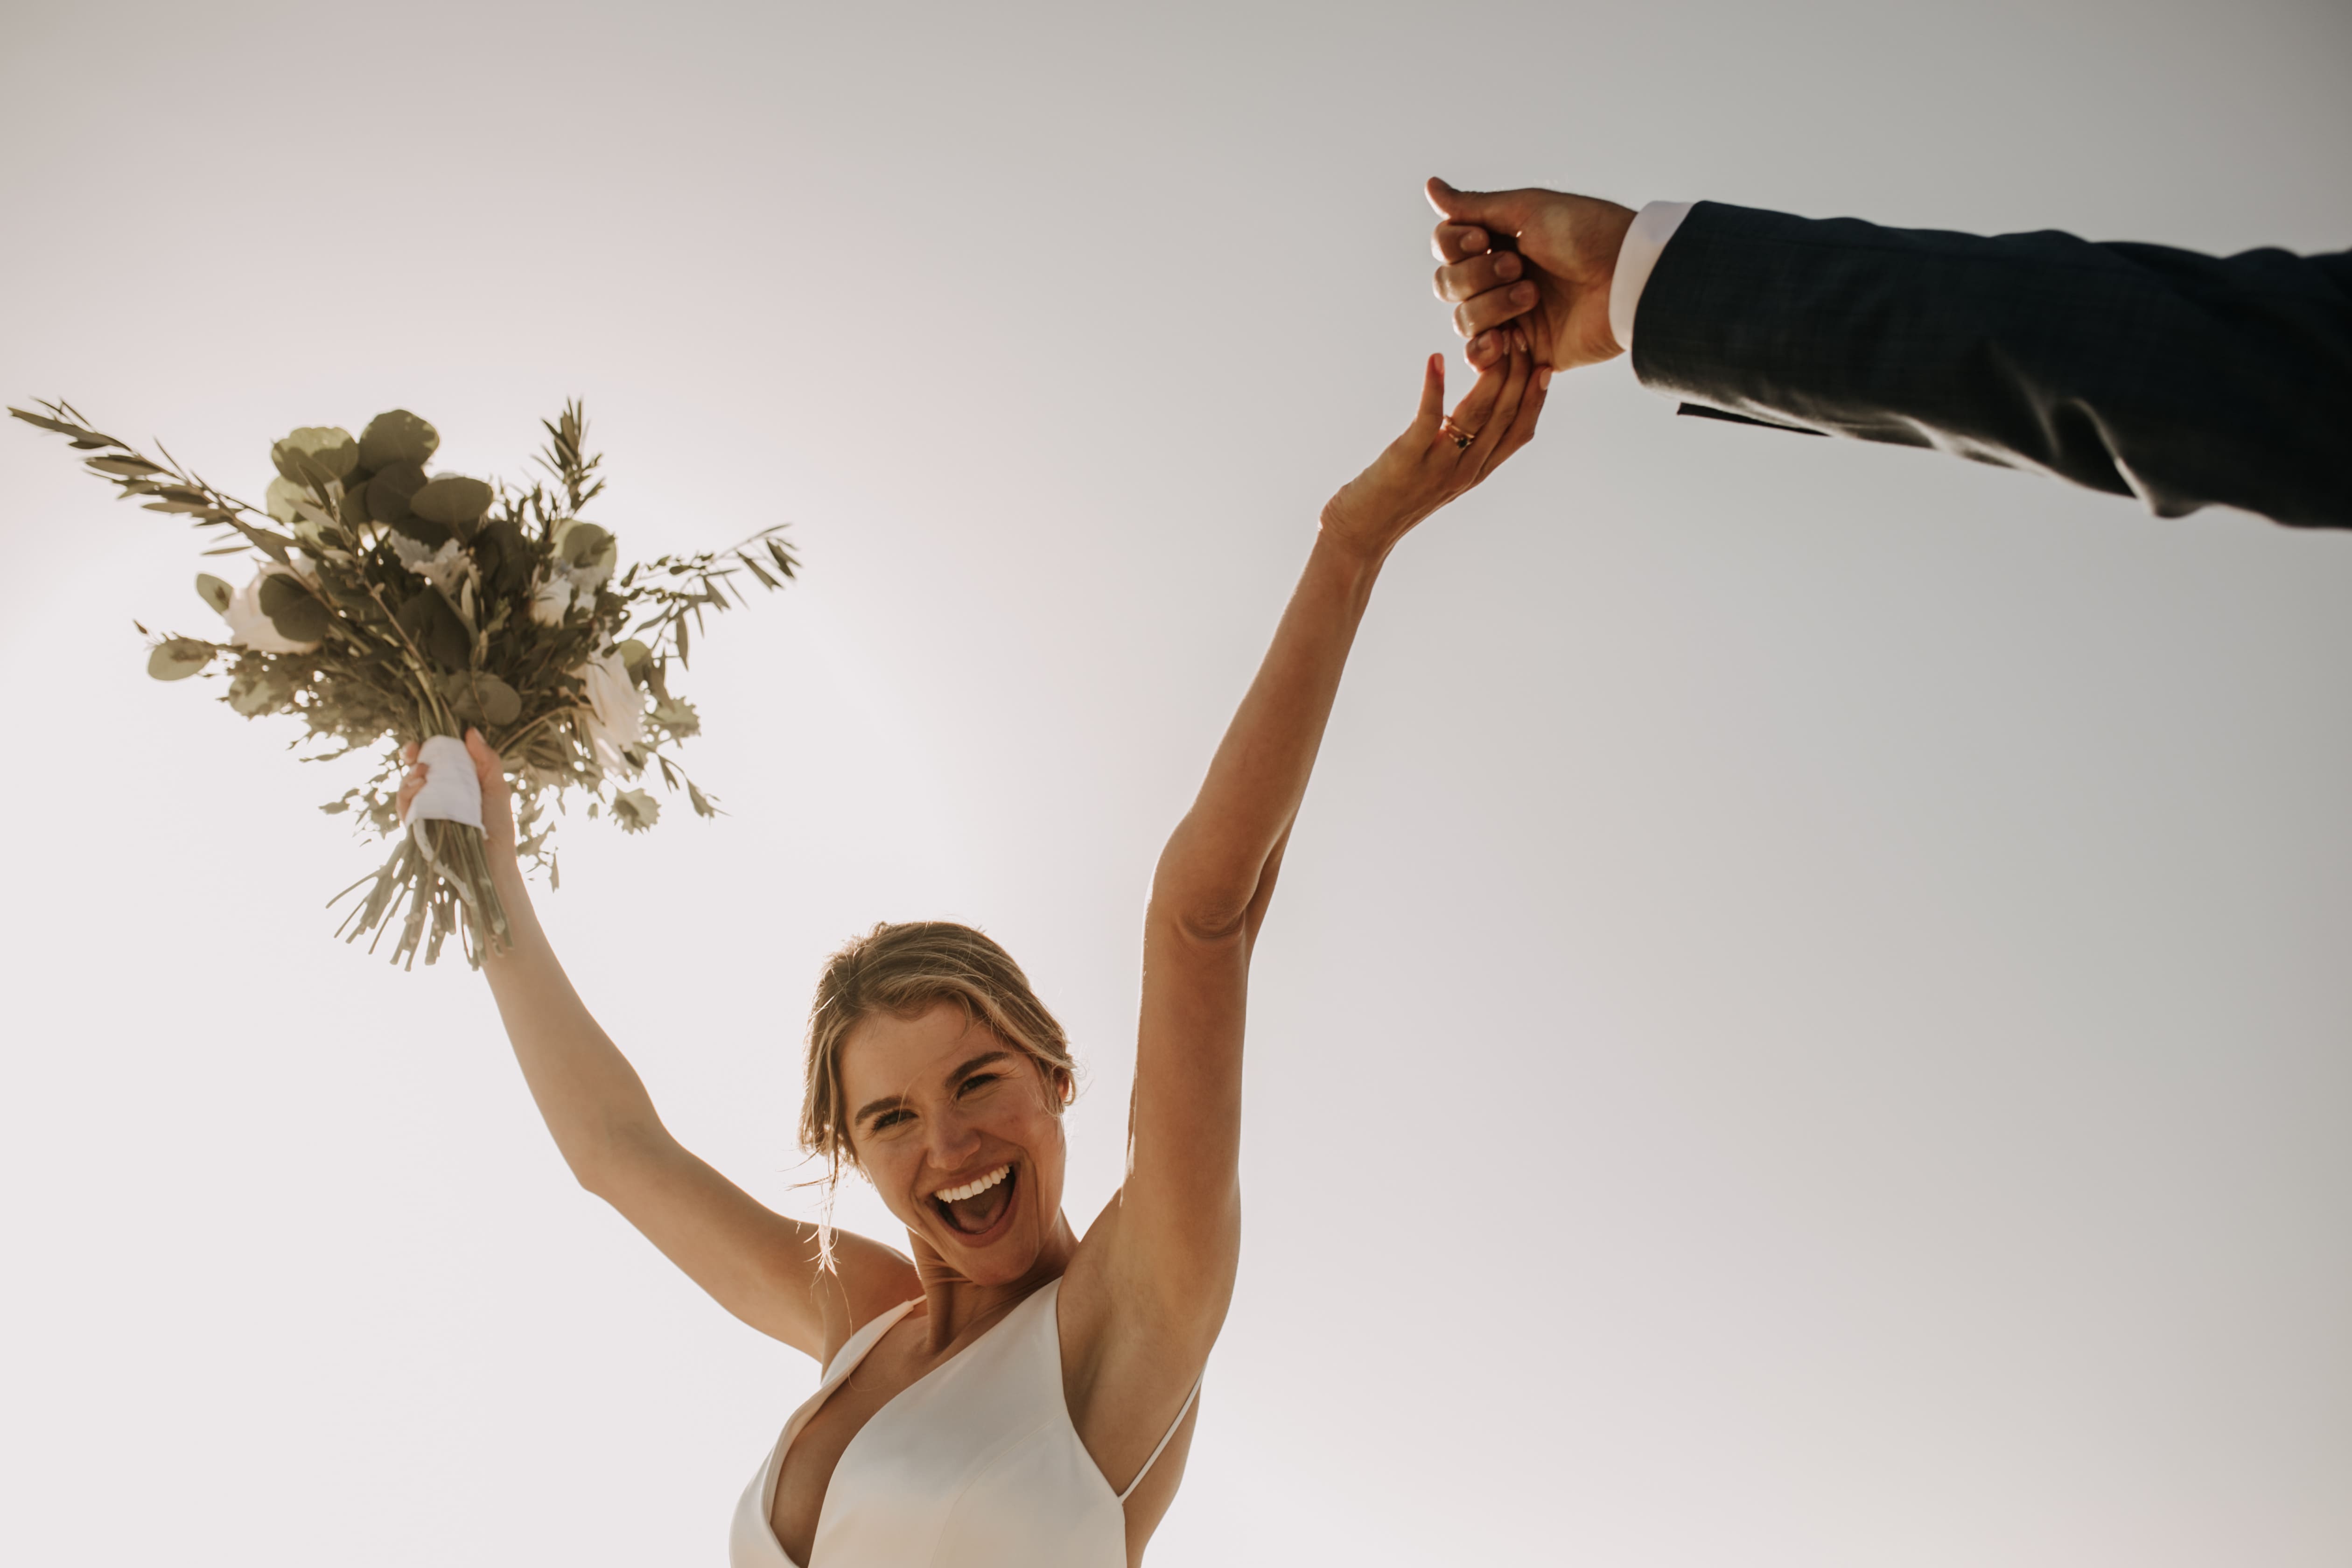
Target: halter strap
(1167, 1439)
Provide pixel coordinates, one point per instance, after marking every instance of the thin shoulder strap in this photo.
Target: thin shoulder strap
(1165, 1438)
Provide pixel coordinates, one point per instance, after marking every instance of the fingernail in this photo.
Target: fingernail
(1543, 379)
(1524, 294)
(1506, 266)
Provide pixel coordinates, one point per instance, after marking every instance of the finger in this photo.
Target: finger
(1522, 429)
(409, 752)
(1467, 279)
(409, 789)
(1452, 241)
(1502, 210)
(1517, 376)
(1484, 313)
(1478, 406)
(1432, 397)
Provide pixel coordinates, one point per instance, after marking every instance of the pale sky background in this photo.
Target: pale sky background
(1808, 1020)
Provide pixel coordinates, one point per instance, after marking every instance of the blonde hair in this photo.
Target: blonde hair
(904, 970)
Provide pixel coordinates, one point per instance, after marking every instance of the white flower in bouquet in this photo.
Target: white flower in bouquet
(447, 568)
(552, 601)
(616, 711)
(249, 626)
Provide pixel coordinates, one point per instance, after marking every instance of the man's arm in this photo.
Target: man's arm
(2185, 380)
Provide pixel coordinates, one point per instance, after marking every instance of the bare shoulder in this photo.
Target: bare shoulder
(868, 1279)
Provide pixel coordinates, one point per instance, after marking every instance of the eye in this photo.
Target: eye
(977, 1081)
(890, 1119)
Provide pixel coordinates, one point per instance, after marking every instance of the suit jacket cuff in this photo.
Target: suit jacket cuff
(1652, 226)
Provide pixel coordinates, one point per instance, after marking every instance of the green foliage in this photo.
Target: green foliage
(176, 659)
(428, 598)
(316, 454)
(476, 697)
(293, 609)
(398, 436)
(388, 493)
(454, 502)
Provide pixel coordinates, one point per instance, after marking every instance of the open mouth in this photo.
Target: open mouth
(979, 1206)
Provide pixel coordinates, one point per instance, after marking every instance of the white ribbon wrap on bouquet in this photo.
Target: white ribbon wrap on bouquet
(452, 792)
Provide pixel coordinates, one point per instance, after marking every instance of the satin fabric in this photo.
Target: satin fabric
(974, 1464)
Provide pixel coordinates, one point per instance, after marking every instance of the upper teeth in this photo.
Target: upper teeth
(973, 1189)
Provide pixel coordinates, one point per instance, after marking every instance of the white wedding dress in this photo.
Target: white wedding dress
(974, 1464)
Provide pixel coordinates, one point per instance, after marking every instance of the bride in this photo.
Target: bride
(1006, 1393)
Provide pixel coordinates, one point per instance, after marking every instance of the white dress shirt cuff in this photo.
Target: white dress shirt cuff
(1652, 226)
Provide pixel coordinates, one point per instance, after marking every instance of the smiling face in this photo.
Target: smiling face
(960, 1133)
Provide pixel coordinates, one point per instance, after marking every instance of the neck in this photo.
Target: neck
(957, 1306)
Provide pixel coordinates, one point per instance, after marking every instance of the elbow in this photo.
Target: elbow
(602, 1163)
(594, 1176)
(1201, 907)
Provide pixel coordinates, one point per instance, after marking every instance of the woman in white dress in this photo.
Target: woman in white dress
(1005, 1392)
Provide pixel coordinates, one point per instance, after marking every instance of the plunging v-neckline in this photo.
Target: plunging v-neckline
(842, 1372)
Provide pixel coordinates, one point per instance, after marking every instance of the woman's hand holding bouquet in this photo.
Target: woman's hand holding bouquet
(402, 609)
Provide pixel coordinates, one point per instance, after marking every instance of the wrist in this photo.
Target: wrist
(1354, 561)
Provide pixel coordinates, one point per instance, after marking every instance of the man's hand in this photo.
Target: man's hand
(1540, 254)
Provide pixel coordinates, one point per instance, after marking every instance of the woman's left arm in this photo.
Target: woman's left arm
(1173, 1236)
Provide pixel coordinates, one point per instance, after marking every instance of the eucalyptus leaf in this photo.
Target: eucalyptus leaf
(214, 591)
(477, 697)
(316, 454)
(388, 493)
(397, 437)
(453, 501)
(505, 558)
(296, 612)
(585, 543)
(178, 659)
(135, 467)
(432, 625)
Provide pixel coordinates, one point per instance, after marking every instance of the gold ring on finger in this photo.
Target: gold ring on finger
(1461, 439)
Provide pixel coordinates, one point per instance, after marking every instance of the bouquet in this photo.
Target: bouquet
(391, 605)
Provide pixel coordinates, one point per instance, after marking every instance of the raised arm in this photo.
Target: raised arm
(756, 1263)
(1167, 1248)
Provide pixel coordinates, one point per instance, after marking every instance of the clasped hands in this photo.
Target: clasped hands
(1528, 274)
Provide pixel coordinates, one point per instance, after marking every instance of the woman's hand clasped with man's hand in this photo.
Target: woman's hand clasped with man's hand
(1439, 455)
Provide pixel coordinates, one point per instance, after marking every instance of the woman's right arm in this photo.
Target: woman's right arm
(758, 1265)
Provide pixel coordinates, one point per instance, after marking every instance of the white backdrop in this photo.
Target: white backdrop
(1806, 1022)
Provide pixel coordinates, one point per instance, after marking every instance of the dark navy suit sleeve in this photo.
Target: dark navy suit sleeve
(2185, 380)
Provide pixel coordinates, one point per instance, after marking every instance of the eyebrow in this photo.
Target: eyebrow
(895, 1101)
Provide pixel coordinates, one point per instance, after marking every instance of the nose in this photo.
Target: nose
(953, 1140)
